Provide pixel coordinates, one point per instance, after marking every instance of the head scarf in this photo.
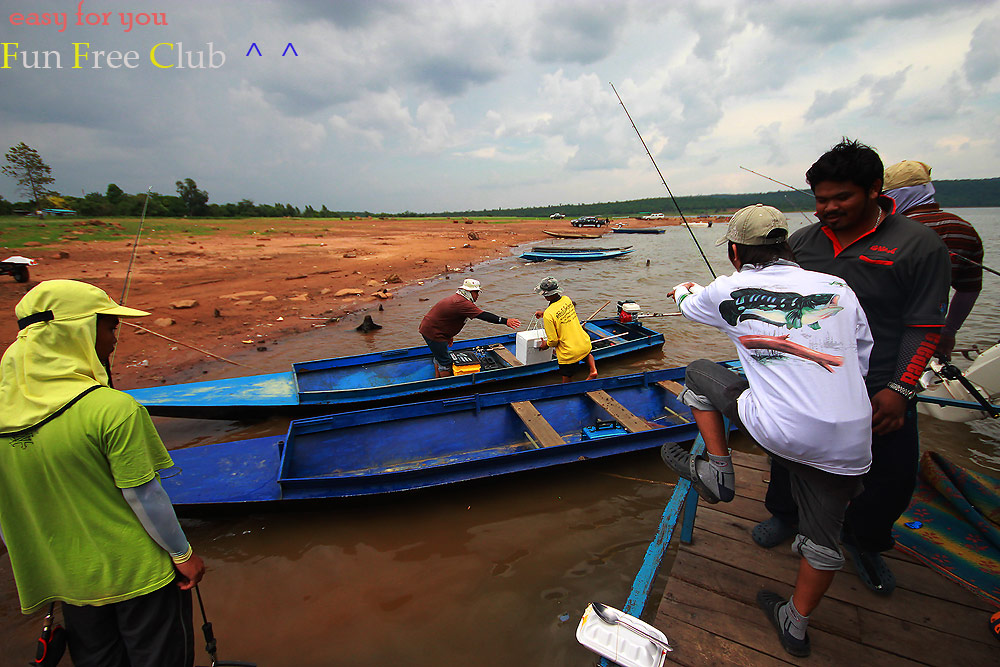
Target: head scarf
(912, 195)
(53, 361)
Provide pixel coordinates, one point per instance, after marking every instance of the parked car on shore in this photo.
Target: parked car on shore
(590, 221)
(653, 216)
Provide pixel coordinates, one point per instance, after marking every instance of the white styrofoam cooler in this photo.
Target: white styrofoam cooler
(618, 643)
(525, 347)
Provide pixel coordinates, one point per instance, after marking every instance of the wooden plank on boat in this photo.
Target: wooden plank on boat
(629, 421)
(674, 388)
(505, 354)
(540, 429)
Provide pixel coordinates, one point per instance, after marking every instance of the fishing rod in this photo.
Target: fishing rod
(135, 247)
(664, 181)
(211, 647)
(808, 194)
(966, 259)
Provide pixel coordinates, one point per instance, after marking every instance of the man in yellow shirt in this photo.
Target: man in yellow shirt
(563, 331)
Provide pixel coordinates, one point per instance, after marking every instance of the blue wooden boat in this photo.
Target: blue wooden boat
(638, 230)
(574, 254)
(378, 377)
(382, 450)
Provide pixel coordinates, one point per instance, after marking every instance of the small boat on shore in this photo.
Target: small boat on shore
(383, 450)
(380, 377)
(572, 235)
(638, 230)
(540, 254)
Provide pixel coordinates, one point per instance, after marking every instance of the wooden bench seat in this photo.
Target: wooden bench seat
(541, 430)
(629, 421)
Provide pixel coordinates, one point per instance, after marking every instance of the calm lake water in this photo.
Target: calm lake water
(493, 572)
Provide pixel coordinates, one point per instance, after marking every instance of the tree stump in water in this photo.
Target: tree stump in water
(368, 325)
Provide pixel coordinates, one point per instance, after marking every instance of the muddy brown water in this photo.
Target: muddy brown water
(491, 572)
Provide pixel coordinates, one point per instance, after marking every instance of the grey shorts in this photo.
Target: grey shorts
(709, 386)
(822, 498)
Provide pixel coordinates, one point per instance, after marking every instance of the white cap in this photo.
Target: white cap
(470, 284)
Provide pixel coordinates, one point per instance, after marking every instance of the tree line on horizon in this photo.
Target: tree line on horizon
(34, 177)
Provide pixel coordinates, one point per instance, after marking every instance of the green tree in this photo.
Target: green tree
(115, 194)
(26, 166)
(195, 200)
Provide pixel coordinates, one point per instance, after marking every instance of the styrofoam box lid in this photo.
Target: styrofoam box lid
(619, 644)
(533, 334)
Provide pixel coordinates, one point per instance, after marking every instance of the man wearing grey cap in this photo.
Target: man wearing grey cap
(443, 322)
(803, 341)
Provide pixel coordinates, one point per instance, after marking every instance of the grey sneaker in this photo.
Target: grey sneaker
(771, 602)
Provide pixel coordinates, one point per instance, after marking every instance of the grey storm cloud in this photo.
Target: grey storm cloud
(982, 62)
(581, 33)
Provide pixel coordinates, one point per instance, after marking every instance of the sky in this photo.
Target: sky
(428, 105)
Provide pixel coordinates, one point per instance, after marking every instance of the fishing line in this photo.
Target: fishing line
(808, 194)
(664, 181)
(135, 248)
(964, 259)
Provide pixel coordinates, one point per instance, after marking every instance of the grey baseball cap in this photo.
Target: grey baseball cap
(755, 225)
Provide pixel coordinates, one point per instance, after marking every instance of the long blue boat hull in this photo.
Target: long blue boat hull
(573, 256)
(639, 230)
(417, 445)
(379, 377)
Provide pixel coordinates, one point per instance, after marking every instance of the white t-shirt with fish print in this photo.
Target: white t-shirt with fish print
(804, 344)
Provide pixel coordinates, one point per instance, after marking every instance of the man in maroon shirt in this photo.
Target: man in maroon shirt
(443, 322)
(909, 184)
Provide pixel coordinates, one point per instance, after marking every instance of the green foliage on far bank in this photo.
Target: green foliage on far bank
(950, 194)
(49, 233)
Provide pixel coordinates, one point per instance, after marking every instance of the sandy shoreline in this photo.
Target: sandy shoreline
(221, 293)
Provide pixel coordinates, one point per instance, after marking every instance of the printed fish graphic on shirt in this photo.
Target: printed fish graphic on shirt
(787, 309)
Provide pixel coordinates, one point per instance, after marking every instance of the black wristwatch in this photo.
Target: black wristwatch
(905, 392)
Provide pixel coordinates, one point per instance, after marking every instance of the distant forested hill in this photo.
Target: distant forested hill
(950, 194)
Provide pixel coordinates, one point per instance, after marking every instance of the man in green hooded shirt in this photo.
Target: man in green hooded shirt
(82, 512)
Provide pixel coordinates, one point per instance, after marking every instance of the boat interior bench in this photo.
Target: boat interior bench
(544, 434)
(505, 354)
(629, 421)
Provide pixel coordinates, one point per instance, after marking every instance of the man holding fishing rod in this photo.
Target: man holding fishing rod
(804, 342)
(82, 512)
(900, 271)
(909, 184)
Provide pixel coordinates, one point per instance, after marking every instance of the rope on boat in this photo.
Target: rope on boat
(197, 349)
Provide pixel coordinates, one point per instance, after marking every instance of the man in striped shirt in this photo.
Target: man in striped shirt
(909, 184)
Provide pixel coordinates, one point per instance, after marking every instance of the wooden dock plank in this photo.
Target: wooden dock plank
(710, 613)
(622, 415)
(536, 424)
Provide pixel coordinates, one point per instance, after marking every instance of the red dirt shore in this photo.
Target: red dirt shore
(238, 282)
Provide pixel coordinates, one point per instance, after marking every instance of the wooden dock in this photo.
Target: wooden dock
(709, 611)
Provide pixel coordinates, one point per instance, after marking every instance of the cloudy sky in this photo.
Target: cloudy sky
(428, 105)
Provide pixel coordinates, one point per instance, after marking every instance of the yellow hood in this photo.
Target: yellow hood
(53, 360)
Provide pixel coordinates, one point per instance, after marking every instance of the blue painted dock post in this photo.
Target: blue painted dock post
(684, 498)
